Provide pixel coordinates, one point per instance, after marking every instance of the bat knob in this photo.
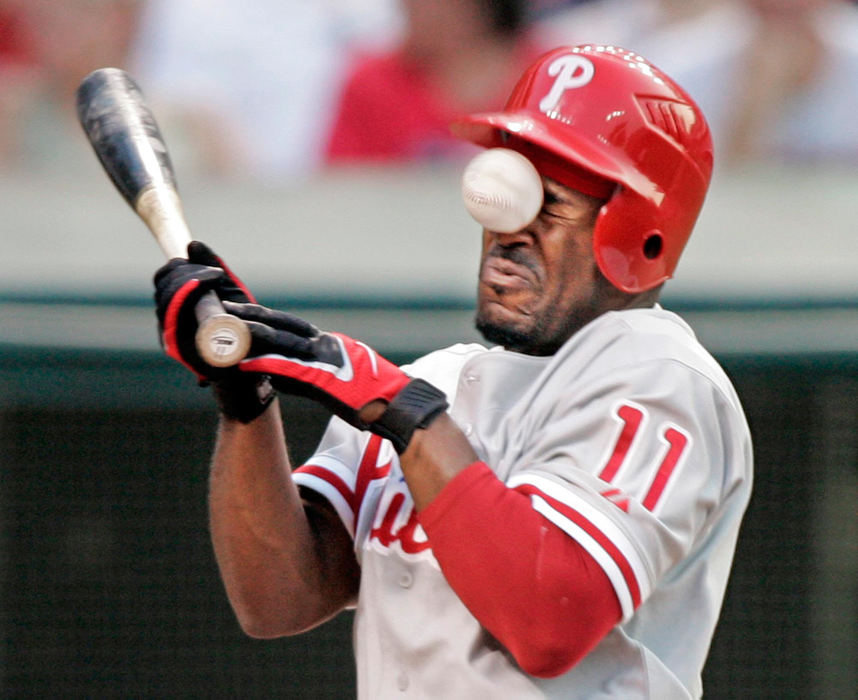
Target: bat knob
(222, 340)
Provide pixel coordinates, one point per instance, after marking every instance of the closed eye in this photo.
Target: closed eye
(550, 198)
(552, 205)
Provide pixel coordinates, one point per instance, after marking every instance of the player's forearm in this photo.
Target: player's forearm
(275, 561)
(434, 456)
(532, 586)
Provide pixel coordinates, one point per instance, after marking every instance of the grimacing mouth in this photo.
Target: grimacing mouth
(507, 264)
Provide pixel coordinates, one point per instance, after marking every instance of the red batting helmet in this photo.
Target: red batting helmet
(605, 121)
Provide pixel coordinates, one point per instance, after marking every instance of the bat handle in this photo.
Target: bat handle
(222, 340)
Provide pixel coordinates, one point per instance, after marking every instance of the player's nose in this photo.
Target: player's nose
(522, 237)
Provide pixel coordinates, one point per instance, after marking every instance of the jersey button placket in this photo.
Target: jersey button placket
(468, 381)
(402, 681)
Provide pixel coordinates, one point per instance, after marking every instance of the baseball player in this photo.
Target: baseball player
(551, 516)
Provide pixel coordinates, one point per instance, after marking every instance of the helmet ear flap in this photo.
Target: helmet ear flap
(631, 248)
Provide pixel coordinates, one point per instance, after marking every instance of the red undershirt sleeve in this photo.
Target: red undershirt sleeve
(534, 588)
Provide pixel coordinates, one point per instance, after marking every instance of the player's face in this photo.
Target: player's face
(539, 285)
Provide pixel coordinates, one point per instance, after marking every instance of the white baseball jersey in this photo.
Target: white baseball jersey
(636, 432)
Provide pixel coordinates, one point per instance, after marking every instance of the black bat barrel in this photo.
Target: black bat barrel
(123, 132)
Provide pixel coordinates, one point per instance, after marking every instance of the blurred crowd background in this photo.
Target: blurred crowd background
(279, 90)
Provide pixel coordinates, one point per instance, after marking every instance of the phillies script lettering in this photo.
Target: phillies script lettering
(395, 517)
(398, 523)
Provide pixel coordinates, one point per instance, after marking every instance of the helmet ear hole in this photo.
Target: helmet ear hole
(653, 245)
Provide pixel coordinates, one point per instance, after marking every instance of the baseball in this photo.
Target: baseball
(502, 190)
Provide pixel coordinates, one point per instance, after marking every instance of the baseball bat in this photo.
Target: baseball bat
(128, 142)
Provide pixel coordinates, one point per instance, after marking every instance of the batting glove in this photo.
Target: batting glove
(337, 371)
(179, 285)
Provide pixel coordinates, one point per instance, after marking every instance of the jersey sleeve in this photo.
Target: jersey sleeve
(345, 464)
(636, 467)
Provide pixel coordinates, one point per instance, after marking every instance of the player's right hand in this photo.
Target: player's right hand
(343, 374)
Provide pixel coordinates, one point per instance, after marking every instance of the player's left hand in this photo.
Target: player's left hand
(341, 373)
(179, 285)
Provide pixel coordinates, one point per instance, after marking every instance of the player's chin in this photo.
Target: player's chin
(507, 305)
(504, 325)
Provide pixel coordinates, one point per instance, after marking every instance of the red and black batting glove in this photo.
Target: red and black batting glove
(341, 373)
(179, 285)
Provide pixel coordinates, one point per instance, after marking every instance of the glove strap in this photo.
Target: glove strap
(416, 406)
(243, 398)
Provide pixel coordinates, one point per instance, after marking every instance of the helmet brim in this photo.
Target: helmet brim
(606, 161)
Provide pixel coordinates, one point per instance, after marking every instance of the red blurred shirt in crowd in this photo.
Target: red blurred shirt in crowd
(391, 110)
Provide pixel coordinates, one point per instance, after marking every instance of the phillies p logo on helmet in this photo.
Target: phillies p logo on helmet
(572, 71)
